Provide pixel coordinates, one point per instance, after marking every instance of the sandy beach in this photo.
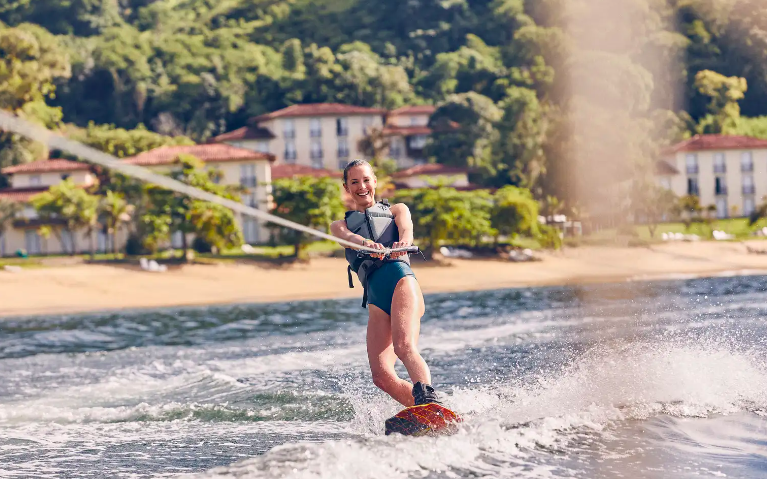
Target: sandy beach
(84, 288)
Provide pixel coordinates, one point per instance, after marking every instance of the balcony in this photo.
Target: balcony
(316, 155)
(720, 191)
(343, 153)
(315, 133)
(749, 189)
(720, 168)
(692, 169)
(747, 167)
(290, 156)
(289, 134)
(248, 182)
(342, 131)
(693, 191)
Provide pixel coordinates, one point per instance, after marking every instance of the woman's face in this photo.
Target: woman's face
(361, 185)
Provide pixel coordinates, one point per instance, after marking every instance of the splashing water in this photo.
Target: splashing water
(552, 382)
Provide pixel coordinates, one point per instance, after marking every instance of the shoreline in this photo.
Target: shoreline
(83, 289)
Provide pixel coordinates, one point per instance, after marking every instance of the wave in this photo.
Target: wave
(507, 427)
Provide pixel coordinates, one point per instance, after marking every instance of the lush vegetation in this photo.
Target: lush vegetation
(548, 96)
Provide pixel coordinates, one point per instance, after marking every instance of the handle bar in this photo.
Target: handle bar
(389, 251)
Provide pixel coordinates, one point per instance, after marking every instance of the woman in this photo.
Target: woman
(395, 301)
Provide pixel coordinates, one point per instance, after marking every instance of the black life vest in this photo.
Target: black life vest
(375, 223)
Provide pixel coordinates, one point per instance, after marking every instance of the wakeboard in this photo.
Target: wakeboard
(422, 420)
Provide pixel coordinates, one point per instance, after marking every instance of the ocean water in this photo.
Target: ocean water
(635, 380)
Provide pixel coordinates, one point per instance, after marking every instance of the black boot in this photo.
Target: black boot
(424, 394)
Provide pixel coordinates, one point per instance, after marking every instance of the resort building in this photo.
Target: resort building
(249, 169)
(729, 172)
(407, 130)
(327, 135)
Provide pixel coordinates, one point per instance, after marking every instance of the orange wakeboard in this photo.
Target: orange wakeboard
(422, 420)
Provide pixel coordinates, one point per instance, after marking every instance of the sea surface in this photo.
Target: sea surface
(660, 379)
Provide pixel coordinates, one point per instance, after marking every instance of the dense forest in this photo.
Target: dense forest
(529, 81)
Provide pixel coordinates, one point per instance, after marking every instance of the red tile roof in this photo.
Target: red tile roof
(292, 170)
(213, 153)
(414, 110)
(430, 169)
(406, 130)
(663, 167)
(43, 166)
(319, 109)
(717, 142)
(244, 133)
(21, 195)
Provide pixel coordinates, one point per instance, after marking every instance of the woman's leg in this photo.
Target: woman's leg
(407, 307)
(382, 358)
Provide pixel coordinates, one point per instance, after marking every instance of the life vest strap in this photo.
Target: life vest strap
(349, 271)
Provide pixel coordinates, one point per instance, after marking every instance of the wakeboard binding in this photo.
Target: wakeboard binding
(427, 417)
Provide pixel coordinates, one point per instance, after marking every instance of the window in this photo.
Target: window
(32, 242)
(367, 124)
(691, 160)
(315, 128)
(67, 242)
(249, 199)
(177, 240)
(315, 151)
(290, 151)
(748, 206)
(748, 185)
(288, 128)
(250, 230)
(719, 164)
(395, 150)
(262, 146)
(343, 148)
(692, 186)
(414, 121)
(721, 208)
(342, 163)
(418, 142)
(104, 242)
(342, 127)
(248, 175)
(720, 185)
(746, 161)
(35, 180)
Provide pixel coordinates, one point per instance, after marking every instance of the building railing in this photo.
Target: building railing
(749, 189)
(248, 181)
(343, 153)
(692, 169)
(316, 155)
(720, 168)
(746, 167)
(315, 133)
(343, 131)
(722, 190)
(694, 191)
(290, 155)
(289, 134)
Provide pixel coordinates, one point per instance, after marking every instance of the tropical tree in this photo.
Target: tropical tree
(8, 211)
(114, 211)
(314, 202)
(444, 214)
(653, 204)
(514, 212)
(168, 212)
(66, 207)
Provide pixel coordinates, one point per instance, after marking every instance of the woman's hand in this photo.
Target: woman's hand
(374, 245)
(400, 244)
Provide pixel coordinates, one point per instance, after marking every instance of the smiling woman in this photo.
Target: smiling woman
(396, 303)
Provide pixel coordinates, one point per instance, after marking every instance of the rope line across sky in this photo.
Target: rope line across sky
(10, 122)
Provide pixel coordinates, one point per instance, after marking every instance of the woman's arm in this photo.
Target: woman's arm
(339, 230)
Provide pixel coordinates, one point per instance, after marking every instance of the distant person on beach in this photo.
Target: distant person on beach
(392, 294)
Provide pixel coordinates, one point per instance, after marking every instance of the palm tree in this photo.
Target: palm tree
(115, 211)
(8, 211)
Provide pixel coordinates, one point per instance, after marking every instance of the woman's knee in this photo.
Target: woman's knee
(405, 347)
(384, 379)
